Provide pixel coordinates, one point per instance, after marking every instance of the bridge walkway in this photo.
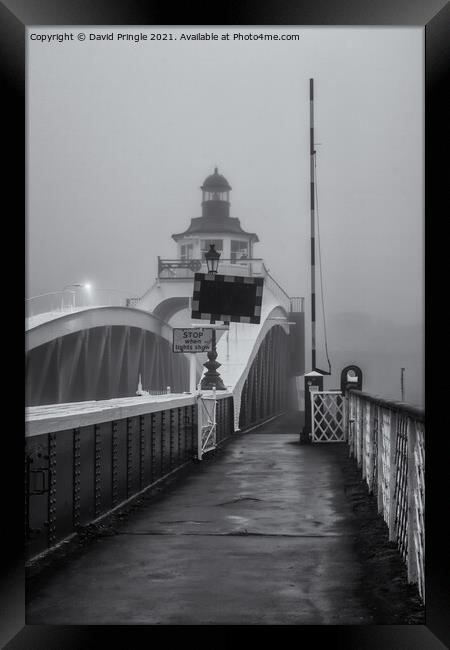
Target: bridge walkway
(265, 533)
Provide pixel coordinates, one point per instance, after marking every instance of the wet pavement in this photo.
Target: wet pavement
(263, 533)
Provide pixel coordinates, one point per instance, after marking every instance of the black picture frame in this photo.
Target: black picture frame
(434, 16)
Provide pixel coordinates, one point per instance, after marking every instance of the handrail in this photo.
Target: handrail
(201, 259)
(387, 438)
(180, 269)
(132, 420)
(52, 301)
(410, 409)
(278, 288)
(273, 280)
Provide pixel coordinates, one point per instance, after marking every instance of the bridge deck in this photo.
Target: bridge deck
(263, 534)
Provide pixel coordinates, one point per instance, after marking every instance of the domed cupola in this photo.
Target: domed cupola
(215, 226)
(216, 196)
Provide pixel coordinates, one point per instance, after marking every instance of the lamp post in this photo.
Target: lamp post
(212, 259)
(402, 383)
(212, 379)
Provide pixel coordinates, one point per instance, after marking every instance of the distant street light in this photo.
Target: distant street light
(212, 379)
(84, 285)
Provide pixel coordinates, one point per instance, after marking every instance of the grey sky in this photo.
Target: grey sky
(121, 136)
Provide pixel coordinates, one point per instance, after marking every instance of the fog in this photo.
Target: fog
(121, 135)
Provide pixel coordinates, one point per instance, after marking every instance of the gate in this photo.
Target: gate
(207, 424)
(327, 416)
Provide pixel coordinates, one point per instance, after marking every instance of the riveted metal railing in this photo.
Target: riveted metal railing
(388, 441)
(184, 269)
(84, 460)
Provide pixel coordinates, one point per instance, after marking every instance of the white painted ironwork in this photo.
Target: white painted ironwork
(327, 415)
(416, 505)
(385, 477)
(207, 423)
(388, 441)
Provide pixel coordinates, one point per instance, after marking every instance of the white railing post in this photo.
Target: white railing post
(412, 487)
(358, 430)
(392, 475)
(370, 455)
(351, 423)
(345, 415)
(192, 372)
(199, 426)
(364, 407)
(312, 415)
(369, 444)
(362, 429)
(380, 452)
(214, 418)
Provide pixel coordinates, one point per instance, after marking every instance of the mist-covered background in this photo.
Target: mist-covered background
(122, 135)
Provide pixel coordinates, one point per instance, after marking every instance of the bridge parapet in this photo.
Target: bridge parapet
(85, 460)
(54, 304)
(387, 439)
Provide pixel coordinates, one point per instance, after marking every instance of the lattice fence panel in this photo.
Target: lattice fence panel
(327, 416)
(208, 407)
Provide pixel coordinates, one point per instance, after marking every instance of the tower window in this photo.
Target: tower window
(216, 195)
(186, 251)
(239, 250)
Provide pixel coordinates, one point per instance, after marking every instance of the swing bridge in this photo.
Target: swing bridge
(95, 449)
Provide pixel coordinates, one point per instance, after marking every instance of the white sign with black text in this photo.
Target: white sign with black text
(193, 339)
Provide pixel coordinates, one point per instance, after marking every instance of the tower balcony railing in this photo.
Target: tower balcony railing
(185, 269)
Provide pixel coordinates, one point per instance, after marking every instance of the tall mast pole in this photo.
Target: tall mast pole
(313, 242)
(313, 379)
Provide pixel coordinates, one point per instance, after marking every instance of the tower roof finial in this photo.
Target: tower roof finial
(216, 182)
